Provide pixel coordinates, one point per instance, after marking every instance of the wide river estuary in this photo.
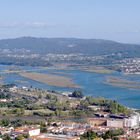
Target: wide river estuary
(91, 84)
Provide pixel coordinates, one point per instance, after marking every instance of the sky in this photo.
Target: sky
(117, 20)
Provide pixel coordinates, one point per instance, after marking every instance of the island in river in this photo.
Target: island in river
(50, 79)
(117, 81)
(96, 69)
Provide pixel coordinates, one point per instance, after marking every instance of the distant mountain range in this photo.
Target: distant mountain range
(70, 45)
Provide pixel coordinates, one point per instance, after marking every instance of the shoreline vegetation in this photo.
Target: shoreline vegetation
(50, 79)
(117, 81)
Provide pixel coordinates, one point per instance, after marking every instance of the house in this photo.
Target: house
(31, 131)
(34, 131)
(13, 89)
(66, 93)
(5, 130)
(3, 100)
(71, 125)
(24, 88)
(117, 123)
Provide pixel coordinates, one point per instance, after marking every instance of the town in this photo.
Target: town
(131, 65)
(37, 114)
(114, 61)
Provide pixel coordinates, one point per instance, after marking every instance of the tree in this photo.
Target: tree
(77, 94)
(113, 133)
(58, 112)
(6, 137)
(116, 108)
(19, 137)
(17, 123)
(5, 122)
(84, 104)
(89, 135)
(40, 96)
(131, 139)
(43, 128)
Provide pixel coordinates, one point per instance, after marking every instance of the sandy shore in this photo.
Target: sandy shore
(50, 79)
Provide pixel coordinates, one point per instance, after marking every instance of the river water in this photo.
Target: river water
(91, 84)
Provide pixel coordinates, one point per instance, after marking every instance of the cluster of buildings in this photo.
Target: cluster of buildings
(99, 124)
(25, 130)
(119, 121)
(14, 51)
(73, 57)
(33, 133)
(68, 128)
(72, 130)
(131, 66)
(51, 57)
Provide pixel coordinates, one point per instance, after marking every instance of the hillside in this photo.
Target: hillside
(70, 45)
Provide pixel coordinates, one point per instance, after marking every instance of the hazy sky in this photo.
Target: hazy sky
(105, 19)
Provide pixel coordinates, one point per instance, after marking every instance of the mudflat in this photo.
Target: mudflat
(96, 69)
(50, 79)
(118, 81)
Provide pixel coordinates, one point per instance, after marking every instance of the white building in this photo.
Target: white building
(24, 88)
(132, 121)
(3, 100)
(13, 89)
(34, 132)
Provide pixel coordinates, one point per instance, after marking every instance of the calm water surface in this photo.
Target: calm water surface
(91, 84)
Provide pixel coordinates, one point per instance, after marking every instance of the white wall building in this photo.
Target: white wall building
(132, 121)
(34, 132)
(13, 89)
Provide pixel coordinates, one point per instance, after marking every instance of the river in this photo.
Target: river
(91, 84)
